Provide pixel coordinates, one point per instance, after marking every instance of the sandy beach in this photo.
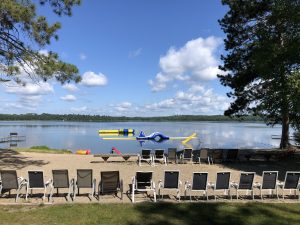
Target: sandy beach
(24, 161)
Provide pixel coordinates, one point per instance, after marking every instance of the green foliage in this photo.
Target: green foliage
(98, 118)
(40, 147)
(262, 60)
(23, 33)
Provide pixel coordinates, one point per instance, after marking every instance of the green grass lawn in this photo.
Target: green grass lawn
(162, 213)
(43, 149)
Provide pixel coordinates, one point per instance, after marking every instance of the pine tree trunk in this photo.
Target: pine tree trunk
(285, 131)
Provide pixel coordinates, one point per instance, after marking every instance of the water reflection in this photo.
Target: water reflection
(84, 135)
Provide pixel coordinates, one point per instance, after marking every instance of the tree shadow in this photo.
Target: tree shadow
(260, 165)
(14, 160)
(218, 213)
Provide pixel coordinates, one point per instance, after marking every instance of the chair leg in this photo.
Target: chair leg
(27, 190)
(132, 194)
(154, 194)
(178, 195)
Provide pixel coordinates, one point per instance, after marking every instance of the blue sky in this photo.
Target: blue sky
(136, 58)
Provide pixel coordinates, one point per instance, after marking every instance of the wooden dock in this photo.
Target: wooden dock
(13, 137)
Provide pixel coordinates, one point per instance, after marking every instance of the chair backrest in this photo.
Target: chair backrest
(171, 179)
(9, 179)
(143, 179)
(36, 179)
(110, 181)
(269, 179)
(60, 178)
(223, 179)
(196, 155)
(159, 153)
(187, 153)
(199, 181)
(246, 181)
(203, 153)
(146, 153)
(84, 178)
(172, 153)
(291, 180)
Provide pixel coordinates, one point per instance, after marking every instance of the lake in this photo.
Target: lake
(84, 135)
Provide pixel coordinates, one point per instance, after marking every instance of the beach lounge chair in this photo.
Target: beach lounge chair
(196, 156)
(245, 184)
(186, 155)
(199, 184)
(61, 180)
(205, 156)
(172, 155)
(110, 183)
(222, 184)
(269, 183)
(171, 183)
(159, 155)
(36, 182)
(85, 180)
(10, 181)
(143, 182)
(145, 156)
(216, 156)
(291, 183)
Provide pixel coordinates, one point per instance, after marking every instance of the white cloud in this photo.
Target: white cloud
(135, 53)
(82, 56)
(82, 109)
(124, 106)
(70, 87)
(91, 79)
(68, 98)
(41, 88)
(195, 61)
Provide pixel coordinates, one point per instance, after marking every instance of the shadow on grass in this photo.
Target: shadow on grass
(218, 214)
(14, 160)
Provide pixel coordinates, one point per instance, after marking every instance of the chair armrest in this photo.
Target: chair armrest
(257, 185)
(211, 185)
(187, 185)
(48, 183)
(180, 183)
(234, 184)
(160, 184)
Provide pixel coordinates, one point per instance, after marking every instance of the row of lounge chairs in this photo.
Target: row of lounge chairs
(110, 183)
(142, 182)
(174, 156)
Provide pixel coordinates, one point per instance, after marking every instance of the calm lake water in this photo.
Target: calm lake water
(84, 135)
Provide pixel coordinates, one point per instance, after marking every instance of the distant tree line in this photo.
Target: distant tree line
(103, 118)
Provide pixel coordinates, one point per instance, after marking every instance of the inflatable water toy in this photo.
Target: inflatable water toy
(83, 152)
(157, 136)
(189, 138)
(115, 150)
(118, 131)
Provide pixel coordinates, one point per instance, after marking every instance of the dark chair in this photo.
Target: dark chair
(36, 181)
(291, 183)
(196, 156)
(85, 180)
(269, 183)
(145, 156)
(110, 183)
(186, 155)
(245, 184)
(172, 156)
(61, 180)
(199, 184)
(222, 183)
(143, 182)
(171, 182)
(159, 155)
(10, 181)
(216, 156)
